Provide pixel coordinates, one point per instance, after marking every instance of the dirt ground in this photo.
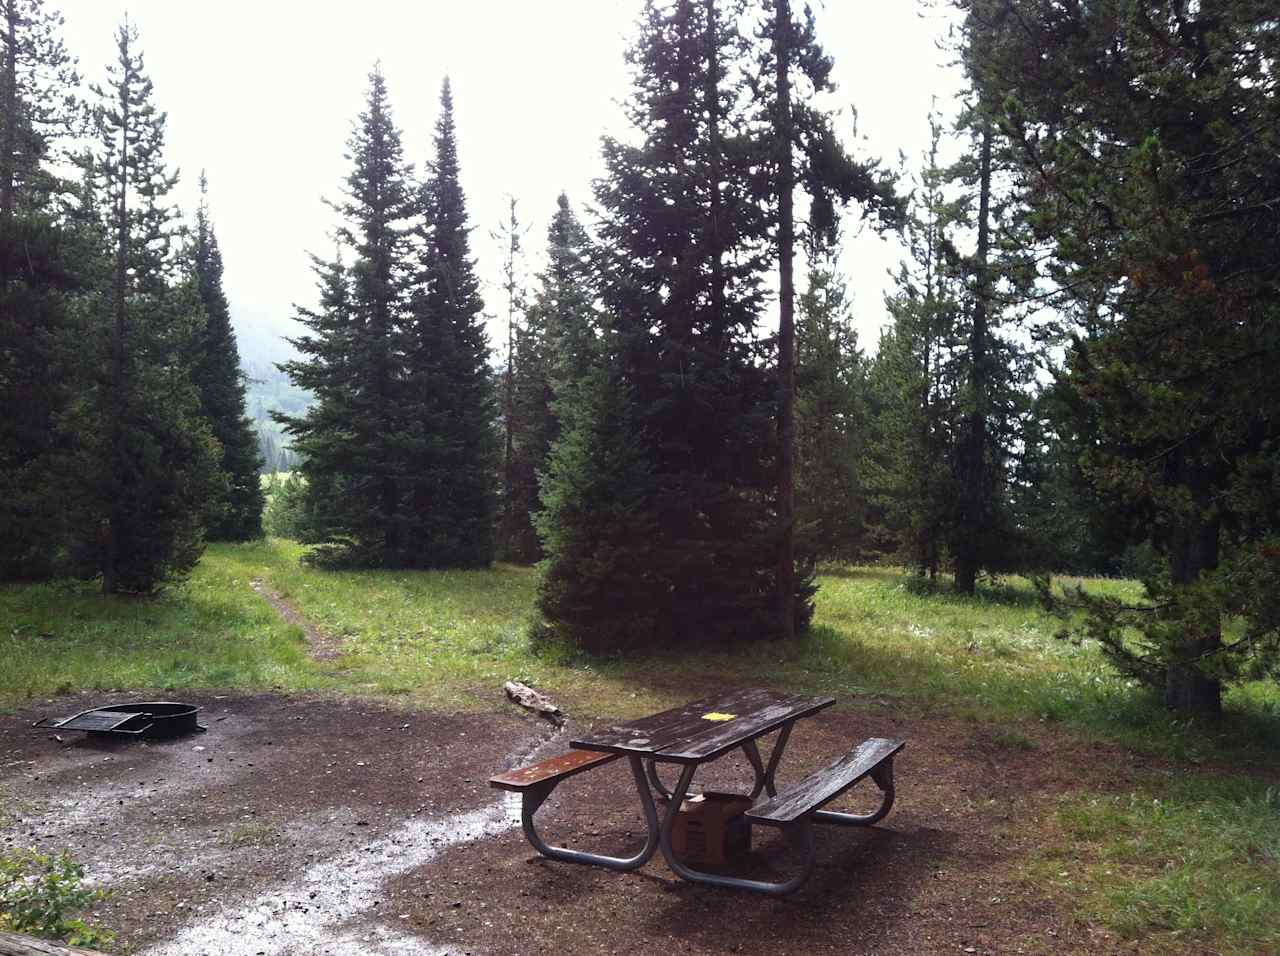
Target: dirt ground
(307, 826)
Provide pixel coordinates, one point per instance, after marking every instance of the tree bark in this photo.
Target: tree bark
(786, 321)
(10, 119)
(1193, 550)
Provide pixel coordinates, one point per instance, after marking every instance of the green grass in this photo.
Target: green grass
(450, 638)
(1192, 861)
(211, 632)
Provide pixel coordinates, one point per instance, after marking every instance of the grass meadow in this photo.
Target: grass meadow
(1192, 855)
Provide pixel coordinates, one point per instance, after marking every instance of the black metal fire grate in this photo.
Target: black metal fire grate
(134, 719)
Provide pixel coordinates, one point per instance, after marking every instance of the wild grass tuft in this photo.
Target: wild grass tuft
(1192, 861)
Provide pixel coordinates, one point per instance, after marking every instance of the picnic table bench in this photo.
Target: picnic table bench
(698, 733)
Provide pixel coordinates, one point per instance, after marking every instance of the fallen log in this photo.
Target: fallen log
(15, 944)
(539, 703)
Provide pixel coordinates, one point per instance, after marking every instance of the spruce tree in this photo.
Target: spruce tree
(514, 531)
(799, 146)
(660, 524)
(236, 514)
(44, 256)
(914, 387)
(1146, 148)
(831, 417)
(152, 461)
(451, 408)
(352, 441)
(554, 352)
(949, 380)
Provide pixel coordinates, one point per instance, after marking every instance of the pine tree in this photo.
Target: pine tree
(1146, 146)
(515, 531)
(554, 353)
(151, 457)
(800, 147)
(915, 385)
(452, 477)
(237, 514)
(353, 440)
(952, 380)
(42, 252)
(659, 522)
(831, 417)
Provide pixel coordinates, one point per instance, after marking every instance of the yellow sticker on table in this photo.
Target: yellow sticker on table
(715, 715)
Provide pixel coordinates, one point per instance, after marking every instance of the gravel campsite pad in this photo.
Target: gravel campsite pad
(314, 826)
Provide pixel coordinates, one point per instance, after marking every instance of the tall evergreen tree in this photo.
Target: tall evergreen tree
(353, 440)
(1146, 140)
(514, 531)
(235, 515)
(554, 352)
(800, 147)
(152, 458)
(950, 379)
(915, 385)
(831, 417)
(451, 503)
(42, 252)
(660, 524)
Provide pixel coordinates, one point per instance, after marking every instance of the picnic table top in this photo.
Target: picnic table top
(704, 729)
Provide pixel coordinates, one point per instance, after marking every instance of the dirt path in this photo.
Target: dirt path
(324, 646)
(303, 826)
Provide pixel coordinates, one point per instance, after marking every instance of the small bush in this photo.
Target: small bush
(40, 893)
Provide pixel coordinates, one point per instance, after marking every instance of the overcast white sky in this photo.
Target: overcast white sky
(262, 94)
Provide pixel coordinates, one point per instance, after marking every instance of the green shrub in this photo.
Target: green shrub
(285, 514)
(39, 893)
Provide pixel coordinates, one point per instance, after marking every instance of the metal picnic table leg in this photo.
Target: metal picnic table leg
(764, 775)
(532, 799)
(800, 836)
(651, 767)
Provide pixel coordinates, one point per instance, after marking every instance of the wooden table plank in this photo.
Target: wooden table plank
(705, 728)
(648, 735)
(723, 737)
(828, 783)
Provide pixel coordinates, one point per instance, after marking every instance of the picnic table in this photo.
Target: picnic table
(699, 733)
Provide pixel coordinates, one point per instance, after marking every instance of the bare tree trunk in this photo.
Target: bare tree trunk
(8, 136)
(786, 321)
(1193, 550)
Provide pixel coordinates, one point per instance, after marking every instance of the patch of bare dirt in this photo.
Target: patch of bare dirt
(306, 826)
(324, 646)
(223, 829)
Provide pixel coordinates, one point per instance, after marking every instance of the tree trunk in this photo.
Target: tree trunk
(111, 557)
(1194, 550)
(974, 506)
(786, 321)
(8, 136)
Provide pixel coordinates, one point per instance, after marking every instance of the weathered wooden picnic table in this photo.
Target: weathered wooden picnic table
(699, 733)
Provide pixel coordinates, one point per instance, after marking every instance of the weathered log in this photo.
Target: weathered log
(15, 944)
(539, 703)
